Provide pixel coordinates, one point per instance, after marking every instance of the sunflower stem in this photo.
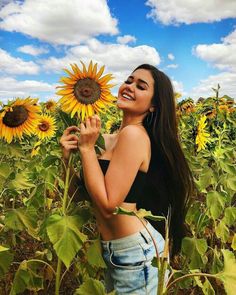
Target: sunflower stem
(58, 277)
(65, 195)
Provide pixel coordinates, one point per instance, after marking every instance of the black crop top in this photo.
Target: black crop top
(136, 192)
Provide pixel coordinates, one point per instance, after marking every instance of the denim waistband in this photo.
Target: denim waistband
(133, 239)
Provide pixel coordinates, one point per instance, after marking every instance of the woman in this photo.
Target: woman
(143, 166)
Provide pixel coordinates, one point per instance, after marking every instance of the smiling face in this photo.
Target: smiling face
(135, 94)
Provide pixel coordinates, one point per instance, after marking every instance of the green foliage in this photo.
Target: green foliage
(48, 238)
(67, 240)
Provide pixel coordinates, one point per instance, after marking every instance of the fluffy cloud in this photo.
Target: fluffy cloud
(190, 11)
(11, 88)
(32, 50)
(121, 58)
(59, 21)
(126, 39)
(171, 56)
(16, 66)
(226, 80)
(222, 55)
(172, 66)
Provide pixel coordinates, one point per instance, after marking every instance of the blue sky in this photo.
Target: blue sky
(193, 42)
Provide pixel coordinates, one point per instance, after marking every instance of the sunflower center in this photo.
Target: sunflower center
(15, 118)
(43, 126)
(87, 91)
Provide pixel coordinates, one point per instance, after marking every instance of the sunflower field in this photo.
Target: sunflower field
(48, 238)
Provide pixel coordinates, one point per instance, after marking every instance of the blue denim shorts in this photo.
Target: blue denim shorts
(128, 260)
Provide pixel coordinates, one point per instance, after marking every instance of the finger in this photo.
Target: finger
(70, 129)
(82, 128)
(93, 121)
(87, 122)
(71, 146)
(98, 121)
(70, 137)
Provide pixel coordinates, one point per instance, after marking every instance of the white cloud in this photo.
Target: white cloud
(15, 65)
(32, 50)
(59, 21)
(126, 39)
(171, 56)
(11, 88)
(221, 55)
(119, 59)
(172, 66)
(178, 87)
(191, 11)
(227, 83)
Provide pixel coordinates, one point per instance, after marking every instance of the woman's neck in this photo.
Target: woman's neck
(131, 121)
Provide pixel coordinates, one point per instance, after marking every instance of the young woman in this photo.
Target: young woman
(143, 166)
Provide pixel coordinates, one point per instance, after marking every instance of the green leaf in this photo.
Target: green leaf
(91, 286)
(215, 202)
(101, 142)
(230, 216)
(217, 264)
(195, 249)
(222, 231)
(26, 277)
(21, 182)
(94, 254)
(227, 167)
(5, 170)
(231, 183)
(233, 245)
(63, 232)
(21, 218)
(228, 275)
(49, 160)
(141, 213)
(67, 120)
(6, 259)
(206, 178)
(206, 287)
(36, 198)
(49, 175)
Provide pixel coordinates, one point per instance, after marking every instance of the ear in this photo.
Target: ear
(152, 109)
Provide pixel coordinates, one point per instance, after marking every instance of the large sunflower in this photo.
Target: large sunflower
(202, 134)
(18, 117)
(85, 91)
(46, 127)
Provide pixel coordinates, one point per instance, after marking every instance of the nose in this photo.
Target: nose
(130, 87)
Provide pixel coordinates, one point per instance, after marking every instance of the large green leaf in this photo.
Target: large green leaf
(230, 216)
(215, 203)
(5, 260)
(206, 178)
(91, 286)
(21, 218)
(222, 231)
(21, 182)
(94, 255)
(228, 275)
(195, 249)
(231, 183)
(63, 232)
(26, 277)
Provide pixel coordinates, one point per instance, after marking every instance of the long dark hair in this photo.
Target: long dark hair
(170, 181)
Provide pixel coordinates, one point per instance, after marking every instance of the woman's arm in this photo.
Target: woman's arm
(109, 191)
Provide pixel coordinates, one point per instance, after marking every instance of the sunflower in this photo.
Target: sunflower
(18, 117)
(50, 105)
(202, 135)
(85, 91)
(46, 127)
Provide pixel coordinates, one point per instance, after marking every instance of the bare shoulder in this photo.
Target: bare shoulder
(133, 133)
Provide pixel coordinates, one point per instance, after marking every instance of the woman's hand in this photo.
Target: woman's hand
(89, 133)
(69, 142)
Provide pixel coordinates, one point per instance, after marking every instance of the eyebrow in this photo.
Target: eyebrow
(139, 80)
